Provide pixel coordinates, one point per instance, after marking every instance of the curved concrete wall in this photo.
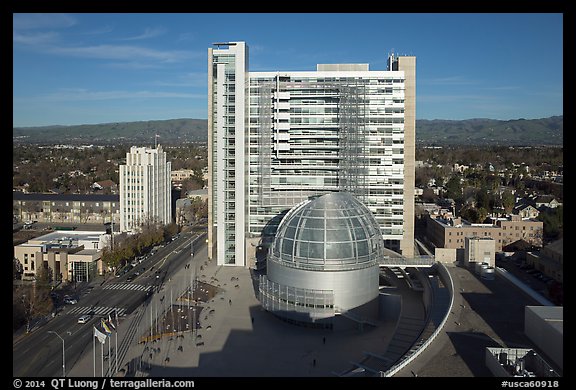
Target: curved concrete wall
(351, 288)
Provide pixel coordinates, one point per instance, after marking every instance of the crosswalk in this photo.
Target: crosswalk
(98, 310)
(126, 286)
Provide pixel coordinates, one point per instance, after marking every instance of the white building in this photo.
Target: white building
(276, 139)
(479, 250)
(145, 189)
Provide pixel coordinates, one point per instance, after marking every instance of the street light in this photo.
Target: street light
(63, 359)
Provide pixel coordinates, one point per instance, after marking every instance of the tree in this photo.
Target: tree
(428, 195)
(482, 199)
(473, 214)
(44, 275)
(508, 201)
(454, 188)
(35, 302)
(16, 268)
(552, 220)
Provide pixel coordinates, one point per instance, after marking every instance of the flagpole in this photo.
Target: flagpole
(102, 357)
(94, 349)
(109, 356)
(116, 354)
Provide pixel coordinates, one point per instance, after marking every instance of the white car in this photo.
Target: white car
(84, 319)
(70, 301)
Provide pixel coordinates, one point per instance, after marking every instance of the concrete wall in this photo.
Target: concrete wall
(408, 65)
(544, 326)
(351, 288)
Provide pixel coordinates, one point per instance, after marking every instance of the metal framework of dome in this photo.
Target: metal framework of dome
(332, 232)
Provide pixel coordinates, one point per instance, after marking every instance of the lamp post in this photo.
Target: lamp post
(63, 358)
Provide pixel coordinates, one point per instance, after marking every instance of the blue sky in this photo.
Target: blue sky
(99, 68)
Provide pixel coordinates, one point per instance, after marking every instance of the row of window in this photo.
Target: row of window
(67, 204)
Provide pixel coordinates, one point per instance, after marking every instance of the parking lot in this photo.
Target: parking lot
(528, 275)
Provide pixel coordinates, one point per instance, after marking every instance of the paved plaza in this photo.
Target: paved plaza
(238, 338)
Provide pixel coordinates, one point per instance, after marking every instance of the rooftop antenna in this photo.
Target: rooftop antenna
(391, 60)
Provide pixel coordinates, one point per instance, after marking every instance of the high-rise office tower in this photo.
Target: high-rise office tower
(278, 138)
(145, 188)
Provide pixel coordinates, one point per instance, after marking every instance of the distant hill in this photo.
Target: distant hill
(170, 131)
(545, 131)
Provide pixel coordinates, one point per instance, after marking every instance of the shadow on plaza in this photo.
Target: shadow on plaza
(272, 348)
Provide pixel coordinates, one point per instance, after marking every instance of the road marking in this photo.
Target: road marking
(98, 310)
(126, 286)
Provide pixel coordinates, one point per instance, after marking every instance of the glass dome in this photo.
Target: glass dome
(332, 232)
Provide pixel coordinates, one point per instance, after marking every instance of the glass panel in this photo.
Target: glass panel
(302, 248)
(287, 246)
(312, 235)
(290, 232)
(360, 234)
(339, 250)
(362, 248)
(337, 235)
(315, 223)
(355, 222)
(316, 251)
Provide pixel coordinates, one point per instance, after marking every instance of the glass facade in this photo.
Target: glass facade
(317, 132)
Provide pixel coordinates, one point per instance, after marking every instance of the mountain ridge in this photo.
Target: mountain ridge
(475, 131)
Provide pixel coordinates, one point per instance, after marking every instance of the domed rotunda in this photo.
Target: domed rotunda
(324, 262)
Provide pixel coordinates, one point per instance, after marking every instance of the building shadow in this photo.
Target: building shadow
(503, 297)
(470, 347)
(271, 348)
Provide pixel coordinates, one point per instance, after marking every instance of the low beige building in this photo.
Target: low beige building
(550, 260)
(516, 228)
(66, 208)
(451, 232)
(180, 175)
(71, 255)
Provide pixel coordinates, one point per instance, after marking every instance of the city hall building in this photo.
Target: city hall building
(276, 139)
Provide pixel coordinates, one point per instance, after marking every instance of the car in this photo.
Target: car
(130, 278)
(84, 319)
(70, 301)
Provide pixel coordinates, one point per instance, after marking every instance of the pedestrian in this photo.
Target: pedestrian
(252, 319)
(323, 340)
(230, 302)
(313, 362)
